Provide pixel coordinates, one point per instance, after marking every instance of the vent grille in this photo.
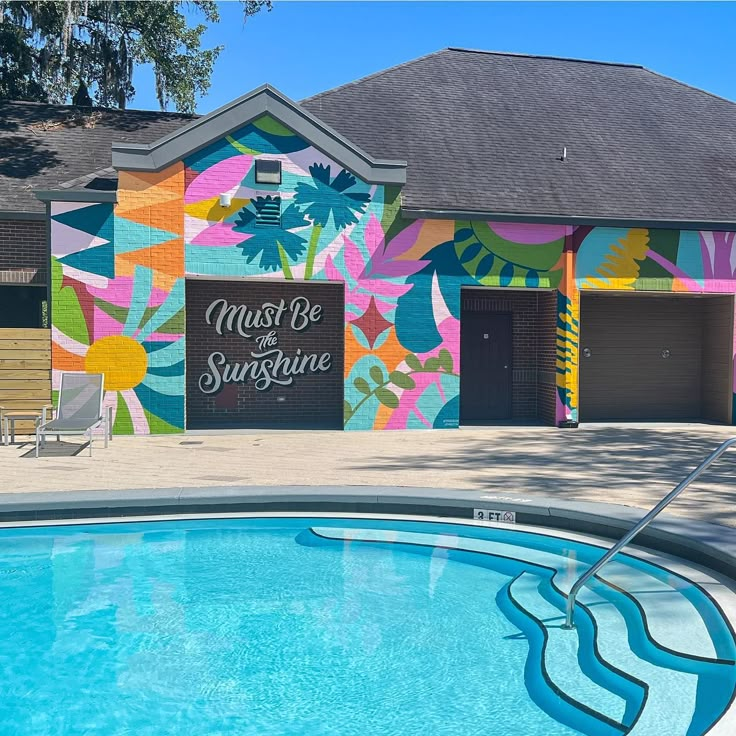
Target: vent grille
(268, 212)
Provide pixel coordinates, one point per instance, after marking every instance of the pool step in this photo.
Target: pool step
(573, 685)
(684, 687)
(667, 672)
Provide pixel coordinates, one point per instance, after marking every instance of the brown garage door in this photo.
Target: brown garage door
(264, 354)
(654, 357)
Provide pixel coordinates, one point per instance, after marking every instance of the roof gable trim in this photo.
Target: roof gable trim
(227, 119)
(93, 196)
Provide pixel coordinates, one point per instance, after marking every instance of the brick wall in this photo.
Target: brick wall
(313, 400)
(23, 256)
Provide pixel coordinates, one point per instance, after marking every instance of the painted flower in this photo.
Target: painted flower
(275, 244)
(132, 333)
(325, 197)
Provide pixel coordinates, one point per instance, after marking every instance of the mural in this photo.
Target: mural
(656, 260)
(118, 301)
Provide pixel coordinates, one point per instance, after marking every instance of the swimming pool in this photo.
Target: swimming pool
(284, 626)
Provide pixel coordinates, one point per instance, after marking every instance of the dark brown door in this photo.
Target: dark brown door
(485, 366)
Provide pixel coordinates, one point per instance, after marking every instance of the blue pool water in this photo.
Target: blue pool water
(276, 627)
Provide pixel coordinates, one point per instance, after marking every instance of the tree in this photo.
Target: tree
(53, 50)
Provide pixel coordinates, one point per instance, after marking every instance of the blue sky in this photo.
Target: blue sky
(304, 47)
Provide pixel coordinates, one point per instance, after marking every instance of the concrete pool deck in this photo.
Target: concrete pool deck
(631, 465)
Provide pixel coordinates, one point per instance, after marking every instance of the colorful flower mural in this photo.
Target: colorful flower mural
(118, 300)
(118, 289)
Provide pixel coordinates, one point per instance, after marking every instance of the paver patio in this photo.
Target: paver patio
(631, 465)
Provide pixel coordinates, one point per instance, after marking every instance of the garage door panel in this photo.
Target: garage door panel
(626, 376)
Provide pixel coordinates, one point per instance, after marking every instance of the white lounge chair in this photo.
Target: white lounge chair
(79, 411)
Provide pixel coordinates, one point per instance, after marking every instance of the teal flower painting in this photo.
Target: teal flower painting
(326, 197)
(274, 245)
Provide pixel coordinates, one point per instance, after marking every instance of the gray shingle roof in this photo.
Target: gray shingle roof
(484, 132)
(43, 145)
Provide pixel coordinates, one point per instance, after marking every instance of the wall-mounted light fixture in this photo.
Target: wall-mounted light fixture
(226, 199)
(268, 171)
(587, 352)
(665, 353)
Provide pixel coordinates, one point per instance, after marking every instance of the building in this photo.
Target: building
(469, 237)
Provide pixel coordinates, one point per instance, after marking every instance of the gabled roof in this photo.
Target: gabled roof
(43, 145)
(227, 119)
(484, 133)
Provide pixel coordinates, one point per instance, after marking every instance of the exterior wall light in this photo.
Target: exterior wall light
(587, 352)
(268, 171)
(226, 199)
(665, 353)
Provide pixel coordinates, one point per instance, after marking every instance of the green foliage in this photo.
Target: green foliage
(445, 359)
(376, 374)
(54, 50)
(402, 380)
(442, 364)
(386, 397)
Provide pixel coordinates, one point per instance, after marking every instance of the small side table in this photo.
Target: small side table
(21, 415)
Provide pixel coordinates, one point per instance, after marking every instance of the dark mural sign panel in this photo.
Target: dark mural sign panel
(264, 354)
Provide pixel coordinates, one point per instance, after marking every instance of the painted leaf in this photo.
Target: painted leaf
(416, 329)
(432, 364)
(362, 385)
(445, 359)
(68, 316)
(471, 252)
(620, 267)
(485, 265)
(532, 279)
(413, 362)
(507, 274)
(376, 374)
(387, 398)
(347, 410)
(402, 380)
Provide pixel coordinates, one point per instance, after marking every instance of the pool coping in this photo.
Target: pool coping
(711, 545)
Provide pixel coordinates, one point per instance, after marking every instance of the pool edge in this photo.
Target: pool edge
(710, 545)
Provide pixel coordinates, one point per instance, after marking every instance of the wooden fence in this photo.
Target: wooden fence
(25, 370)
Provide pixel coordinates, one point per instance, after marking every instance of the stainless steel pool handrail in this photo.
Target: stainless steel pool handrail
(666, 501)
